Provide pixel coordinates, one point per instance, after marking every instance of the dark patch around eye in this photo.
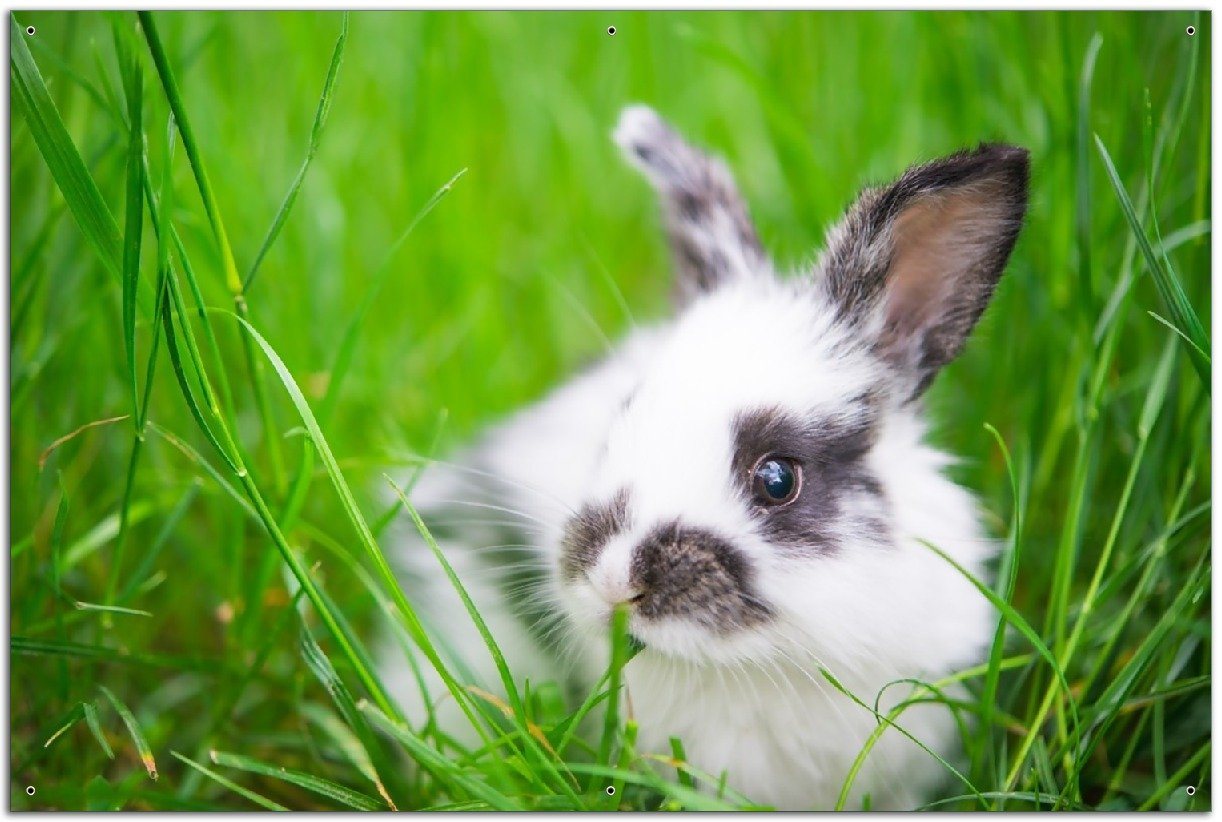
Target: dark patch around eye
(832, 453)
(588, 532)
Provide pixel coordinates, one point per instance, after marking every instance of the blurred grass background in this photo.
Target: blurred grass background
(547, 245)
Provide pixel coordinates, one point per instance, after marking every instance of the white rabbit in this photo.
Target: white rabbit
(750, 477)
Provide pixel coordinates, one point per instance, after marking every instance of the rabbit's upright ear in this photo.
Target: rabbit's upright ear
(711, 235)
(913, 265)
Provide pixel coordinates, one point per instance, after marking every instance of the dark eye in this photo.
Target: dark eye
(776, 480)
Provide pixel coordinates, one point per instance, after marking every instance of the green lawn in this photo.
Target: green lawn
(149, 609)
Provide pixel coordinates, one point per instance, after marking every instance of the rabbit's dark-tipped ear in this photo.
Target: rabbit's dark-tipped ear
(711, 235)
(913, 265)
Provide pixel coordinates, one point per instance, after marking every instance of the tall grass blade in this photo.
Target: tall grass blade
(174, 97)
(1169, 288)
(362, 746)
(320, 119)
(30, 96)
(133, 81)
(537, 755)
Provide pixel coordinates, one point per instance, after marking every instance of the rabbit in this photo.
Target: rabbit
(749, 478)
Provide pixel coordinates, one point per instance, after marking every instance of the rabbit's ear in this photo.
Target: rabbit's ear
(913, 265)
(711, 235)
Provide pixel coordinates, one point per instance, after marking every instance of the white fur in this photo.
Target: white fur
(656, 417)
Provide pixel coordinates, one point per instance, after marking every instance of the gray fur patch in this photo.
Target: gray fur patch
(693, 574)
(587, 533)
(707, 221)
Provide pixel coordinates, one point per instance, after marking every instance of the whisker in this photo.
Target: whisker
(470, 469)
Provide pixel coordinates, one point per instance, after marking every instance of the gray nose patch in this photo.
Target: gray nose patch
(691, 573)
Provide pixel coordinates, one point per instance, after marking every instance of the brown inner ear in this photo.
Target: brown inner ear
(940, 244)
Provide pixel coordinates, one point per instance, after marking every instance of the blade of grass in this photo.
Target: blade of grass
(174, 97)
(410, 619)
(232, 280)
(261, 801)
(353, 749)
(920, 694)
(133, 728)
(437, 764)
(618, 638)
(362, 747)
(320, 119)
(1086, 284)
(95, 728)
(533, 750)
(1169, 288)
(344, 352)
(75, 714)
(1016, 619)
(133, 81)
(101, 653)
(314, 784)
(1009, 577)
(29, 92)
(111, 609)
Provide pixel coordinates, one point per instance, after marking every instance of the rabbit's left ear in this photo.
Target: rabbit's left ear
(913, 265)
(711, 235)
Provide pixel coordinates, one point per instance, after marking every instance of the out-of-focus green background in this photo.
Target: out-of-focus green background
(547, 245)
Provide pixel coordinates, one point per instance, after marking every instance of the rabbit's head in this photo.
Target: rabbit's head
(764, 480)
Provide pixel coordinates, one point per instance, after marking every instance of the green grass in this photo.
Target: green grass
(257, 259)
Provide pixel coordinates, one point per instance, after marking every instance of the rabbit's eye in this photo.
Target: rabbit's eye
(776, 480)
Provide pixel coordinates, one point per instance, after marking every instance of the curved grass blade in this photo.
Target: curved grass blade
(261, 801)
(440, 766)
(314, 784)
(187, 393)
(1034, 797)
(346, 740)
(29, 93)
(95, 728)
(533, 749)
(343, 357)
(1009, 573)
(76, 650)
(1169, 288)
(356, 739)
(133, 728)
(74, 715)
(111, 609)
(1016, 619)
(406, 612)
(885, 722)
(320, 119)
